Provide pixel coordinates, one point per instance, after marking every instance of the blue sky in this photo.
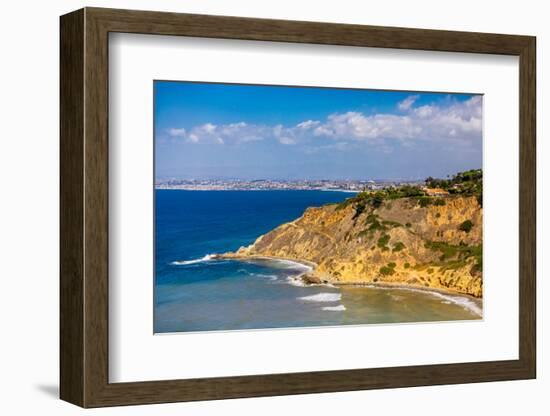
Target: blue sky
(228, 131)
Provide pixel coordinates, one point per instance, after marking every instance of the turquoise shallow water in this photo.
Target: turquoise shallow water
(196, 293)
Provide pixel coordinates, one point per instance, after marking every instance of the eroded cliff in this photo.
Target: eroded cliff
(398, 242)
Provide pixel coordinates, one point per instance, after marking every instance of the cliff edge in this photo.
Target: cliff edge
(426, 243)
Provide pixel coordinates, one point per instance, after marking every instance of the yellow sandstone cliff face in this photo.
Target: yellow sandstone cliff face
(398, 243)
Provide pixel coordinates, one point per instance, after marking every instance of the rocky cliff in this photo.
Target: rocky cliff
(401, 241)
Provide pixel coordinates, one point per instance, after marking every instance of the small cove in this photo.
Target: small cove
(195, 292)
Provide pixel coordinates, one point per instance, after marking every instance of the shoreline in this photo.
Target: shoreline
(307, 263)
(390, 285)
(382, 285)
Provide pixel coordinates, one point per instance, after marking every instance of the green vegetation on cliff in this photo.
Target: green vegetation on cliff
(455, 256)
(466, 226)
(468, 183)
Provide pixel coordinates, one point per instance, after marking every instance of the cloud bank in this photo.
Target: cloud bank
(451, 121)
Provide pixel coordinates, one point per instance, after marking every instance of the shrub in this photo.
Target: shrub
(382, 241)
(409, 190)
(408, 225)
(439, 202)
(407, 265)
(424, 201)
(448, 251)
(377, 200)
(376, 226)
(398, 246)
(392, 265)
(437, 215)
(466, 226)
(386, 271)
(455, 256)
(359, 208)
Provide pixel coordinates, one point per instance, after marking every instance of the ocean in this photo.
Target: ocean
(194, 292)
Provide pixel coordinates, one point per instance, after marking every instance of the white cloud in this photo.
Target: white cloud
(457, 121)
(424, 111)
(241, 132)
(308, 124)
(354, 125)
(407, 103)
(460, 121)
(221, 134)
(209, 128)
(204, 133)
(176, 132)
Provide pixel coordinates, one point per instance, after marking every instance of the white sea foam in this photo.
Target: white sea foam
(265, 276)
(466, 303)
(338, 308)
(322, 297)
(295, 281)
(208, 257)
(299, 268)
(289, 264)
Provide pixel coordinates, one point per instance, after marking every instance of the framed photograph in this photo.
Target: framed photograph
(255, 207)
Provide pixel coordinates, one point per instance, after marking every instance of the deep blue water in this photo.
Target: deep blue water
(192, 224)
(193, 293)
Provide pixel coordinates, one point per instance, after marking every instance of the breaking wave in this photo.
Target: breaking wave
(323, 297)
(208, 257)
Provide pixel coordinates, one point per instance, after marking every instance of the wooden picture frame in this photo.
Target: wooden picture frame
(84, 207)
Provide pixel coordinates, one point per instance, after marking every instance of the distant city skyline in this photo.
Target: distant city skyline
(245, 132)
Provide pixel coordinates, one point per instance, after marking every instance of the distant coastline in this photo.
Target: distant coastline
(158, 188)
(326, 185)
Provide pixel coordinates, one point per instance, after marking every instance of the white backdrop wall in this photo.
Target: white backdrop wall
(29, 207)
